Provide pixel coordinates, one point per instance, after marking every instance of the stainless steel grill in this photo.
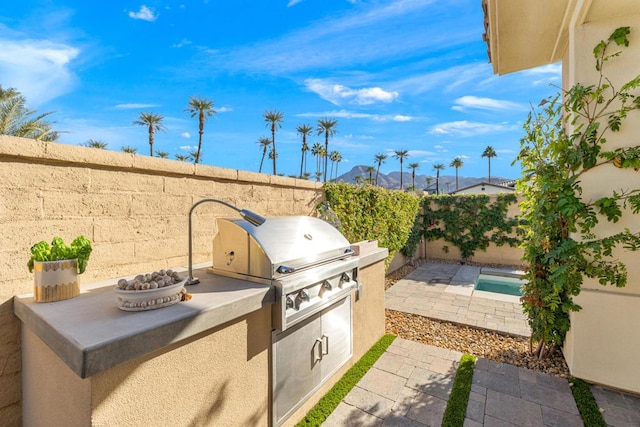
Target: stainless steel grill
(314, 272)
(307, 260)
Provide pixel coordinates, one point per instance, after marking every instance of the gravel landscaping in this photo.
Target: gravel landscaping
(466, 339)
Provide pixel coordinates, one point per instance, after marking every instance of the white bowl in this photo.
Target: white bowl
(149, 299)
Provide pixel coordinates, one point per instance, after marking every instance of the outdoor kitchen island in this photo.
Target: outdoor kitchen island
(205, 361)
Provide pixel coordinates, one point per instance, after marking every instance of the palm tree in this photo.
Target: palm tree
(182, 157)
(334, 156)
(162, 154)
(401, 155)
(489, 152)
(153, 122)
(274, 120)
(328, 128)
(273, 155)
(94, 143)
(413, 167)
(193, 155)
(316, 151)
(338, 160)
(203, 108)
(130, 150)
(457, 163)
(379, 159)
(17, 120)
(264, 144)
(438, 167)
(428, 180)
(371, 170)
(318, 175)
(304, 130)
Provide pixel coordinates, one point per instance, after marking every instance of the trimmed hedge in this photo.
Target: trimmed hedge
(373, 213)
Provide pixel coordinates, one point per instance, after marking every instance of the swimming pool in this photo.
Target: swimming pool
(499, 284)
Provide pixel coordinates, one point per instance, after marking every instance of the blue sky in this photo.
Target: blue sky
(397, 75)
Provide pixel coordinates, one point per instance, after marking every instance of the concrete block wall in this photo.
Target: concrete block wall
(133, 208)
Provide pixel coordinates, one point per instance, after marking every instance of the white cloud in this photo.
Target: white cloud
(224, 109)
(181, 43)
(544, 74)
(467, 102)
(293, 2)
(345, 114)
(188, 147)
(145, 14)
(345, 39)
(134, 106)
(419, 153)
(401, 118)
(445, 80)
(39, 69)
(185, 135)
(336, 93)
(464, 128)
(545, 69)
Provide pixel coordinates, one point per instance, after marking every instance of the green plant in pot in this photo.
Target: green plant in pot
(57, 266)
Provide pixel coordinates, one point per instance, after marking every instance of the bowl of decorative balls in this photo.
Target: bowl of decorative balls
(150, 291)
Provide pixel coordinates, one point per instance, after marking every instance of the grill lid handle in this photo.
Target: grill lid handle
(285, 269)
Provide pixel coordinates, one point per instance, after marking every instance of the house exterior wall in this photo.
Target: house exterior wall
(604, 334)
(133, 208)
(484, 189)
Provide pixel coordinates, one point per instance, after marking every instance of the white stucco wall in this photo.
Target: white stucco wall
(604, 335)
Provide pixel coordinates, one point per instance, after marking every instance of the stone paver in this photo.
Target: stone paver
(410, 383)
(618, 409)
(445, 292)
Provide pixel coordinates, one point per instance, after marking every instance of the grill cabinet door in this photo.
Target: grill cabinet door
(336, 337)
(296, 366)
(306, 355)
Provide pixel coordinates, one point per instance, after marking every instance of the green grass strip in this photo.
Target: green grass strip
(457, 405)
(330, 401)
(587, 405)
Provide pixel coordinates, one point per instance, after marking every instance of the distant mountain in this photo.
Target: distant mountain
(392, 179)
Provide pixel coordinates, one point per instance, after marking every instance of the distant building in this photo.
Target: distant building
(487, 188)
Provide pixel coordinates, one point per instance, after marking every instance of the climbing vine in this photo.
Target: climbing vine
(470, 222)
(366, 212)
(566, 137)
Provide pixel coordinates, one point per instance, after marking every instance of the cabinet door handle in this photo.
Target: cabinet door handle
(317, 356)
(325, 345)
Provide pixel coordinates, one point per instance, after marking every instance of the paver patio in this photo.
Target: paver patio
(410, 383)
(446, 292)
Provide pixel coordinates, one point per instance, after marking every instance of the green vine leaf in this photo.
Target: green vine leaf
(553, 208)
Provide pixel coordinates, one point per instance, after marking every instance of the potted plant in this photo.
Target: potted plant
(57, 267)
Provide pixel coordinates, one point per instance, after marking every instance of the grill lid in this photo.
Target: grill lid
(281, 245)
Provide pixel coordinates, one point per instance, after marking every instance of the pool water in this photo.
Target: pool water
(499, 284)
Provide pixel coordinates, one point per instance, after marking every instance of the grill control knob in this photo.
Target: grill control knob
(345, 277)
(327, 285)
(290, 302)
(303, 295)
